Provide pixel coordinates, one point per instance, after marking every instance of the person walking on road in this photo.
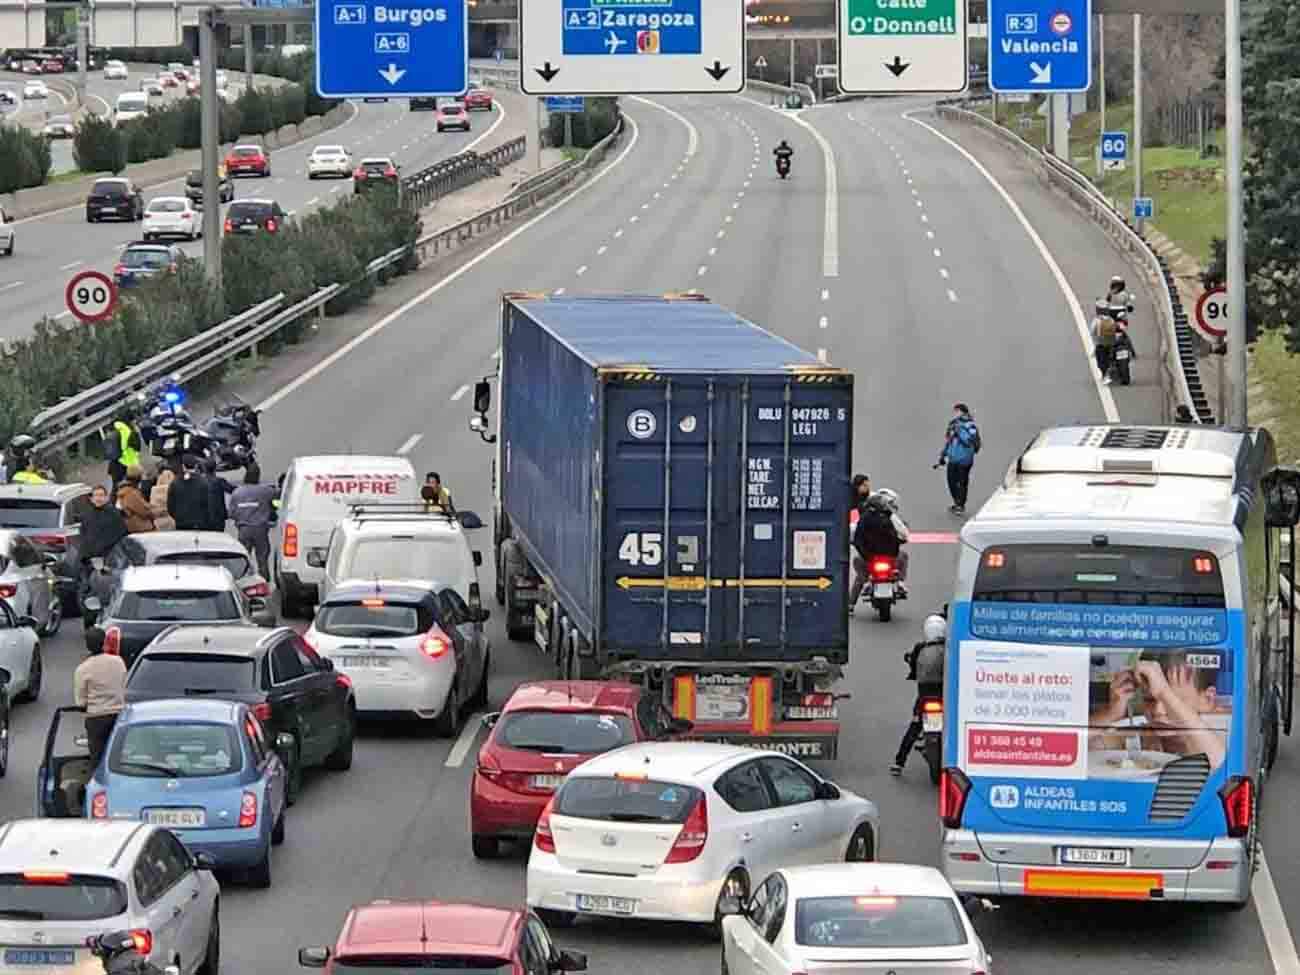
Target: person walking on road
(217, 487)
(961, 443)
(436, 496)
(187, 498)
(252, 509)
(99, 686)
(131, 502)
(158, 500)
(121, 449)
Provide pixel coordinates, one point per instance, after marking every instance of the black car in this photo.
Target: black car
(376, 171)
(194, 186)
(423, 104)
(114, 199)
(288, 685)
(251, 216)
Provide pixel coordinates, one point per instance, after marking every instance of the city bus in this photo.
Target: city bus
(1119, 667)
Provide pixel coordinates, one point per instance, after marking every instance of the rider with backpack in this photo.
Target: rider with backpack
(960, 445)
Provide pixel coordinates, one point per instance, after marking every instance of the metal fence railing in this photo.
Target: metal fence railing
(455, 173)
(1180, 371)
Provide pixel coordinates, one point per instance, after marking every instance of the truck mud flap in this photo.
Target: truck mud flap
(805, 747)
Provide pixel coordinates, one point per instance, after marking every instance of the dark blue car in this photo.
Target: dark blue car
(140, 261)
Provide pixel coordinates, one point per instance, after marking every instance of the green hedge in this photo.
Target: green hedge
(332, 244)
(596, 121)
(24, 159)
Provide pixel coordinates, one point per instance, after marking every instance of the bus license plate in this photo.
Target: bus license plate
(599, 904)
(932, 722)
(1094, 855)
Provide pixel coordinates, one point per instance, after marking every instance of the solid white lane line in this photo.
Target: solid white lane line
(70, 265)
(415, 302)
(831, 229)
(459, 393)
(456, 757)
(415, 438)
(11, 285)
(1277, 934)
(582, 270)
(1076, 311)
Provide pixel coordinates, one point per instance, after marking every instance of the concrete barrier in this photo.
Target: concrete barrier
(47, 199)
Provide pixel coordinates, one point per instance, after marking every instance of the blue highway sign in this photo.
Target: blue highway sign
(1144, 208)
(1114, 145)
(631, 29)
(1040, 45)
(566, 104)
(366, 48)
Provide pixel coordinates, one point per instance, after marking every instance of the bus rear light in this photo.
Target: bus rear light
(954, 787)
(1238, 797)
(1203, 565)
(995, 560)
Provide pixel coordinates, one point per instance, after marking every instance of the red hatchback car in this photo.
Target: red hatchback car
(385, 937)
(545, 731)
(478, 99)
(248, 159)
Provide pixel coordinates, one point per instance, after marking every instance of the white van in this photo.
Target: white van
(130, 105)
(316, 494)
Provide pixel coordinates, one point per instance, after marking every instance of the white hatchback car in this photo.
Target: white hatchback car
(171, 216)
(64, 880)
(861, 919)
(35, 89)
(115, 71)
(665, 830)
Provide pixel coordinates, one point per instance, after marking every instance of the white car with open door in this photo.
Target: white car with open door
(27, 583)
(663, 831)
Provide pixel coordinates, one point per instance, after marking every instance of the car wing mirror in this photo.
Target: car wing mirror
(482, 396)
(313, 957)
(828, 790)
(204, 861)
(28, 623)
(570, 961)
(469, 520)
(490, 720)
(478, 559)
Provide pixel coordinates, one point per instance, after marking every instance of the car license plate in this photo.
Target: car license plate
(932, 722)
(40, 956)
(367, 662)
(1095, 855)
(108, 209)
(883, 590)
(179, 818)
(600, 904)
(546, 781)
(1121, 355)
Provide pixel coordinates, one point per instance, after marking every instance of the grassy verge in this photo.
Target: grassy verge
(570, 152)
(1278, 373)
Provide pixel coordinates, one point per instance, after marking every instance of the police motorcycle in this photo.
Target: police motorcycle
(229, 437)
(235, 428)
(126, 953)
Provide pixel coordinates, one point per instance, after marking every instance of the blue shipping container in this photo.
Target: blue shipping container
(672, 471)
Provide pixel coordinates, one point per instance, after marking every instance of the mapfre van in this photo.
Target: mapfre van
(316, 494)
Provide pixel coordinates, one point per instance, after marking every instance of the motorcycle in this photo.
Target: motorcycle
(229, 437)
(234, 430)
(783, 166)
(882, 589)
(1121, 359)
(127, 953)
(930, 744)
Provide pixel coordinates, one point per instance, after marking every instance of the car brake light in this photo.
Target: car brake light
(359, 174)
(258, 589)
(390, 172)
(882, 568)
(343, 681)
(1203, 564)
(1238, 797)
(229, 227)
(45, 877)
(52, 541)
(121, 269)
(99, 806)
(290, 529)
(248, 810)
(487, 766)
(373, 603)
(262, 712)
(875, 903)
(932, 706)
(543, 838)
(695, 833)
(819, 700)
(142, 940)
(435, 644)
(270, 224)
(8, 591)
(954, 787)
(113, 641)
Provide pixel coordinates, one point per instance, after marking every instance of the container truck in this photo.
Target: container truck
(672, 494)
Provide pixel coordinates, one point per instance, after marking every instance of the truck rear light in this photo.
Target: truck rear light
(954, 787)
(932, 705)
(99, 806)
(113, 641)
(543, 838)
(882, 568)
(290, 545)
(262, 712)
(1238, 798)
(819, 700)
(248, 810)
(695, 833)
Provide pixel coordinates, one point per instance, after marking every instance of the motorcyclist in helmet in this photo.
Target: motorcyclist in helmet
(882, 531)
(783, 152)
(925, 663)
(1109, 325)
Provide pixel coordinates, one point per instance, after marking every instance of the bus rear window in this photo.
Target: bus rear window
(1114, 575)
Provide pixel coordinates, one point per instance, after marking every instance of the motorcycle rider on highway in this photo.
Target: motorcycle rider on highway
(882, 531)
(783, 152)
(861, 491)
(925, 663)
(1109, 323)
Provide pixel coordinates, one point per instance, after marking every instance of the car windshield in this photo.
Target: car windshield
(175, 751)
(364, 619)
(376, 165)
(248, 211)
(878, 922)
(626, 800)
(181, 673)
(167, 206)
(24, 513)
(176, 606)
(109, 187)
(404, 558)
(328, 151)
(247, 151)
(424, 964)
(61, 120)
(146, 259)
(564, 732)
(59, 897)
(131, 104)
(235, 563)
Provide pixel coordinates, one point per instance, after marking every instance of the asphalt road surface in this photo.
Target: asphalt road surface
(930, 288)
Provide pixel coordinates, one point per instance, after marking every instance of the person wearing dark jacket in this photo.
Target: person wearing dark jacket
(252, 509)
(861, 491)
(217, 487)
(102, 527)
(925, 666)
(187, 499)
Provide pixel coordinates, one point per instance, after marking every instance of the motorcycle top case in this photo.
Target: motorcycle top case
(679, 476)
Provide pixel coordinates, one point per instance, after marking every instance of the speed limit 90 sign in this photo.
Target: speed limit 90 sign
(91, 296)
(1212, 313)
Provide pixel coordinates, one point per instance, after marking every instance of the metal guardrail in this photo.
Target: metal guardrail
(532, 182)
(1178, 343)
(448, 175)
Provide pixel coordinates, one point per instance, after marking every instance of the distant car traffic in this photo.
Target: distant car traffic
(178, 71)
(141, 260)
(171, 216)
(115, 71)
(114, 198)
(423, 104)
(168, 80)
(152, 87)
(206, 771)
(130, 105)
(252, 216)
(194, 185)
(375, 171)
(329, 161)
(248, 160)
(35, 89)
(52, 66)
(31, 67)
(452, 115)
(478, 100)
(8, 235)
(192, 86)
(60, 127)
(546, 730)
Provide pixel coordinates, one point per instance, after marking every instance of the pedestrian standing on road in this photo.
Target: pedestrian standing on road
(102, 526)
(252, 509)
(435, 495)
(961, 442)
(158, 500)
(187, 498)
(130, 501)
(121, 449)
(217, 487)
(861, 492)
(99, 686)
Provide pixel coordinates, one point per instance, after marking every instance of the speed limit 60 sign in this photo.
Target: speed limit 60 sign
(91, 296)
(1212, 314)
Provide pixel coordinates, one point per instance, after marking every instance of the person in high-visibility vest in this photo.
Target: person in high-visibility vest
(30, 474)
(122, 448)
